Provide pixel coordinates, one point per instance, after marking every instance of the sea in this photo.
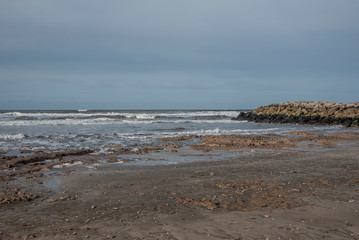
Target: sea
(103, 129)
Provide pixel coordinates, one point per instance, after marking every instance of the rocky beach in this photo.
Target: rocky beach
(284, 183)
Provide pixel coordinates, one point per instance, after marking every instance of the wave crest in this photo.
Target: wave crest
(17, 136)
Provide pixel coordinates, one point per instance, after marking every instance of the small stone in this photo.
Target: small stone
(211, 174)
(351, 201)
(93, 207)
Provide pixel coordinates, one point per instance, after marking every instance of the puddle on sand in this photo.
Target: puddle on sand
(17, 153)
(54, 183)
(183, 155)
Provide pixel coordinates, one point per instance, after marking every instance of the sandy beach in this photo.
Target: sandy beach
(180, 120)
(296, 194)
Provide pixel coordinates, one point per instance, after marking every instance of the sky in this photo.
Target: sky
(166, 54)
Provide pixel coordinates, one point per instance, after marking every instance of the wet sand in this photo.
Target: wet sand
(304, 193)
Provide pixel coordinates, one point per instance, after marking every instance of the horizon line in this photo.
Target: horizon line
(159, 109)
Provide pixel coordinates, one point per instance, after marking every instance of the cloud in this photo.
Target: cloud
(245, 51)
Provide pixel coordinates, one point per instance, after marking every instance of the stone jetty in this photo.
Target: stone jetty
(306, 112)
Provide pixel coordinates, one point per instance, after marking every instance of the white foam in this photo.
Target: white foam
(73, 164)
(154, 135)
(96, 121)
(12, 136)
(141, 116)
(57, 166)
(76, 163)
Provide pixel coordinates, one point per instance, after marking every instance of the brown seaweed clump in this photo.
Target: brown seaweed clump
(14, 195)
(250, 195)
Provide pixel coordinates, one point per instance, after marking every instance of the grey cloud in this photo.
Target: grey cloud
(242, 50)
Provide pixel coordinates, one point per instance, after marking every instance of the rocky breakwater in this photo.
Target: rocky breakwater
(306, 112)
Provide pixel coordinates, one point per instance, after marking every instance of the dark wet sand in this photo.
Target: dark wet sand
(268, 195)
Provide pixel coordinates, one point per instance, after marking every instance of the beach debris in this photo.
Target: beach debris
(254, 142)
(244, 141)
(204, 202)
(126, 160)
(41, 156)
(14, 195)
(180, 138)
(112, 159)
(248, 195)
(62, 198)
(45, 169)
(129, 151)
(170, 146)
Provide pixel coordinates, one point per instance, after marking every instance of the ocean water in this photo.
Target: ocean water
(61, 130)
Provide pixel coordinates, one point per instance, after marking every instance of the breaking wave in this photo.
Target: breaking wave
(119, 114)
(17, 136)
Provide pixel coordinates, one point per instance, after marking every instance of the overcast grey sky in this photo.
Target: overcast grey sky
(164, 54)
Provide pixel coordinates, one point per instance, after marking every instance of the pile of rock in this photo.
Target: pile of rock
(306, 112)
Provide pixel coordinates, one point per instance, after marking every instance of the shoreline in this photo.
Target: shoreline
(268, 194)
